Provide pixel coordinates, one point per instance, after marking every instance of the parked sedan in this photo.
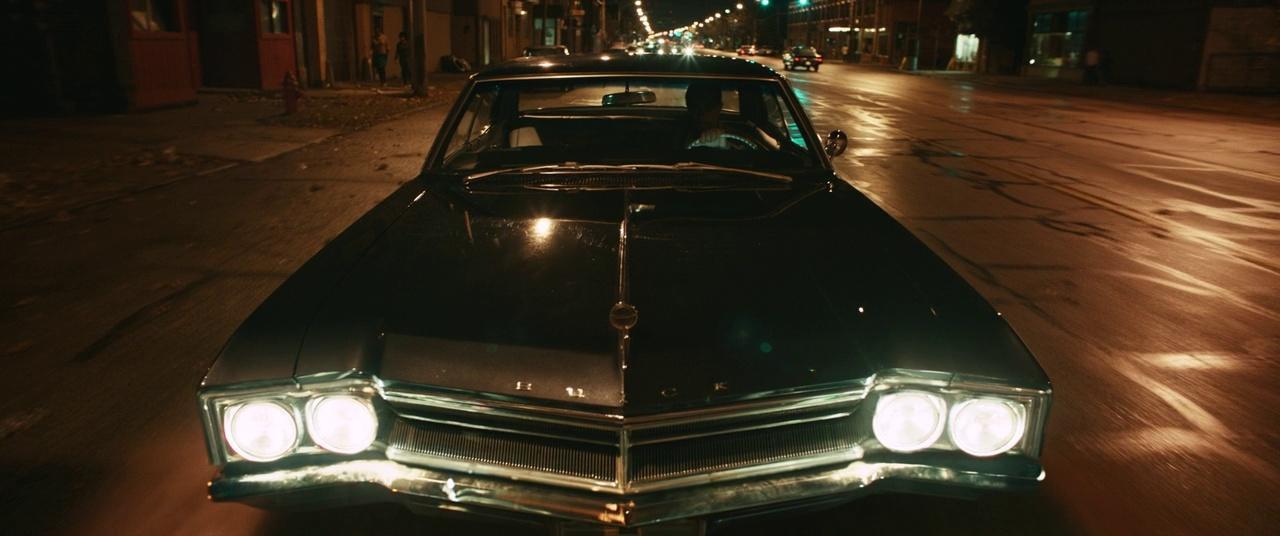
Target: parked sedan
(747, 50)
(558, 50)
(797, 57)
(623, 292)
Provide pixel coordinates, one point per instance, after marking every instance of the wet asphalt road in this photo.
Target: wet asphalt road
(1134, 248)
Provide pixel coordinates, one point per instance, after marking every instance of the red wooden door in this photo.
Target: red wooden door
(160, 54)
(275, 41)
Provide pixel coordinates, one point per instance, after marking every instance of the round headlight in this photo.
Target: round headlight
(987, 426)
(342, 424)
(907, 421)
(260, 431)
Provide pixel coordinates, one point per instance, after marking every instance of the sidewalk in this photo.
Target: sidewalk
(51, 167)
(1261, 107)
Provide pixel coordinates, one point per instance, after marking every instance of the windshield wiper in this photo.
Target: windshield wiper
(575, 167)
(699, 166)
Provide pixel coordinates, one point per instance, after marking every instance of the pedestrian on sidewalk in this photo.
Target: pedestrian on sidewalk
(1091, 67)
(380, 57)
(402, 57)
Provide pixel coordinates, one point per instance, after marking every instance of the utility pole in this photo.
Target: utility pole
(601, 30)
(418, 46)
(915, 54)
(851, 39)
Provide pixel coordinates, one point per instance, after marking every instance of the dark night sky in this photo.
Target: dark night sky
(667, 14)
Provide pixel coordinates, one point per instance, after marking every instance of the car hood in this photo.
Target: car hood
(735, 293)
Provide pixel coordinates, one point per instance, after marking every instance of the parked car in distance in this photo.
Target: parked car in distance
(558, 50)
(807, 57)
(764, 51)
(747, 50)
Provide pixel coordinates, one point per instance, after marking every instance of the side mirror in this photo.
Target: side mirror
(837, 141)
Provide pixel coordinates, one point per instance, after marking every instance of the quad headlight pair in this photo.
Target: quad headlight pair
(266, 430)
(910, 420)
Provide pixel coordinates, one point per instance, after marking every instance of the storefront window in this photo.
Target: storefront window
(154, 15)
(966, 48)
(275, 17)
(547, 28)
(1057, 39)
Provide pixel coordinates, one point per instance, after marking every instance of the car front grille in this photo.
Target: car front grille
(555, 456)
(625, 457)
(749, 448)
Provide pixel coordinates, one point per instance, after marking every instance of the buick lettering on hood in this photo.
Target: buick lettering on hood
(622, 292)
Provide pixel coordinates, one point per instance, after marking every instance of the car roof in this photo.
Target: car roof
(640, 64)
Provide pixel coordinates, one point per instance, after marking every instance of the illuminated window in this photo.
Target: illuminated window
(275, 16)
(154, 15)
(966, 48)
(1057, 39)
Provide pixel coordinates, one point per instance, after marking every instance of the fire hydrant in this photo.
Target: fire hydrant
(290, 92)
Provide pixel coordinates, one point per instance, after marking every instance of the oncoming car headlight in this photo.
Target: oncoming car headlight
(261, 431)
(342, 424)
(987, 426)
(907, 421)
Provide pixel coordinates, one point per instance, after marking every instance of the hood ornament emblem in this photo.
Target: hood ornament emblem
(623, 316)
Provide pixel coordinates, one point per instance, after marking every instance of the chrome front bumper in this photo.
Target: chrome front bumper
(464, 492)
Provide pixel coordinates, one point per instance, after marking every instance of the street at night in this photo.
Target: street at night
(641, 267)
(1132, 246)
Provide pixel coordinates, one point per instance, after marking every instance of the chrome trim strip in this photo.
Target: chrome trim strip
(459, 490)
(764, 426)
(512, 473)
(505, 430)
(748, 409)
(498, 408)
(739, 473)
(624, 332)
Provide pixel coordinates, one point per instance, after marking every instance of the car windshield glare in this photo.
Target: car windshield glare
(743, 123)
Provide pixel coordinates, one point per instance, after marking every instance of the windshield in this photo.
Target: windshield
(627, 120)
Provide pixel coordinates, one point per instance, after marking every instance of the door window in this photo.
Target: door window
(275, 17)
(154, 15)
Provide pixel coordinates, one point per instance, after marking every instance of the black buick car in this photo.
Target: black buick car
(623, 291)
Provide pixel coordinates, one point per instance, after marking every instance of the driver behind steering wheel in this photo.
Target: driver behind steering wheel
(702, 100)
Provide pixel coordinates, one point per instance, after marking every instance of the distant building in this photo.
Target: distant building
(1185, 44)
(579, 25)
(810, 24)
(876, 31)
(336, 38)
(121, 55)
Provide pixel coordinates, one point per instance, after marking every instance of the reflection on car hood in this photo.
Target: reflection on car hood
(736, 293)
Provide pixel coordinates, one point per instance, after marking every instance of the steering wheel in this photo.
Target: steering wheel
(731, 139)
